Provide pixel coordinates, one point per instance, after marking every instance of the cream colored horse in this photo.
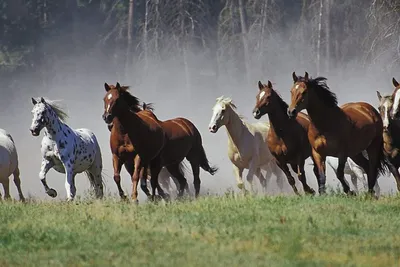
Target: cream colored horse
(247, 144)
(9, 164)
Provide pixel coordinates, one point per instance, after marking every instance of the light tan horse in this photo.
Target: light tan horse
(247, 144)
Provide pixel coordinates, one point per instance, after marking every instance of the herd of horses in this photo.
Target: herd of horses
(360, 138)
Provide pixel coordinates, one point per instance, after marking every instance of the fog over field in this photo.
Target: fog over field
(76, 76)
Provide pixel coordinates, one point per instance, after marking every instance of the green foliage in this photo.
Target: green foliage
(223, 231)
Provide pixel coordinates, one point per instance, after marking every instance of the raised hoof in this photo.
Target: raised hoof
(52, 193)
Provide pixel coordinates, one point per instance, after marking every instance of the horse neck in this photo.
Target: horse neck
(56, 129)
(135, 127)
(321, 115)
(117, 126)
(279, 120)
(389, 137)
(234, 127)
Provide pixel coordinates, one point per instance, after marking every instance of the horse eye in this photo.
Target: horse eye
(223, 111)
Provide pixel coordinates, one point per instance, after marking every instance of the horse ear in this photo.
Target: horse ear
(295, 78)
(260, 85)
(118, 86)
(306, 76)
(379, 95)
(107, 87)
(395, 83)
(34, 102)
(269, 84)
(42, 100)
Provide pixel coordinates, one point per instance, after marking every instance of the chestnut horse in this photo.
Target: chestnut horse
(123, 153)
(158, 143)
(287, 139)
(339, 131)
(391, 135)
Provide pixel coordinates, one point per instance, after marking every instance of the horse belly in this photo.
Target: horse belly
(7, 164)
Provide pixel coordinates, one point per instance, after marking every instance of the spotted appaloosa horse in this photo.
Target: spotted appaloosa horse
(340, 132)
(64, 149)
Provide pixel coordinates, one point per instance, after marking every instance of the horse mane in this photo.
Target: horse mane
(132, 101)
(321, 89)
(228, 101)
(148, 106)
(62, 115)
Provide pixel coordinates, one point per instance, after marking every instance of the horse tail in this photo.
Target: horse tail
(205, 164)
(383, 163)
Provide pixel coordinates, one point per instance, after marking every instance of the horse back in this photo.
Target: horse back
(362, 114)
(179, 128)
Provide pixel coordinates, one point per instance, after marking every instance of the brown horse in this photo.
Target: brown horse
(158, 143)
(391, 135)
(123, 153)
(287, 138)
(394, 114)
(340, 132)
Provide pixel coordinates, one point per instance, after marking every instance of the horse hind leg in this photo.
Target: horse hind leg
(175, 171)
(96, 178)
(196, 176)
(340, 176)
(301, 174)
(376, 162)
(6, 187)
(17, 182)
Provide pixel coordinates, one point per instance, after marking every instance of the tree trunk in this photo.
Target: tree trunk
(128, 58)
(327, 36)
(184, 49)
(244, 39)
(319, 37)
(264, 13)
(145, 37)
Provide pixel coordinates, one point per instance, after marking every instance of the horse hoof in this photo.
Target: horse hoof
(52, 193)
(352, 193)
(167, 197)
(310, 192)
(240, 185)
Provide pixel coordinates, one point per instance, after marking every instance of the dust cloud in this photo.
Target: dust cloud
(78, 81)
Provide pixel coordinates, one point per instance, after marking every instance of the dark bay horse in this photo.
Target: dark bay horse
(158, 143)
(391, 135)
(394, 113)
(340, 132)
(123, 152)
(287, 138)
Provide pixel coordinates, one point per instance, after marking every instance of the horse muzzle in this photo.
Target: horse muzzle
(256, 113)
(34, 132)
(213, 128)
(292, 113)
(108, 118)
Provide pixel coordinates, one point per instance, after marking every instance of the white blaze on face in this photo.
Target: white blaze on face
(109, 96)
(261, 95)
(396, 103)
(108, 107)
(385, 114)
(297, 86)
(217, 110)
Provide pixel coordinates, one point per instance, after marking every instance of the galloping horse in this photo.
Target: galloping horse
(287, 139)
(247, 148)
(66, 150)
(158, 143)
(391, 135)
(9, 164)
(396, 100)
(123, 153)
(340, 132)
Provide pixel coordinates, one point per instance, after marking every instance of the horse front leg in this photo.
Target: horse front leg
(340, 176)
(320, 172)
(250, 175)
(238, 172)
(117, 165)
(44, 169)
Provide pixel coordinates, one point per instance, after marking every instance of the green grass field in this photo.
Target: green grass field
(212, 231)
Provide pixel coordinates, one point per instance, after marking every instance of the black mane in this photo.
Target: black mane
(282, 104)
(321, 90)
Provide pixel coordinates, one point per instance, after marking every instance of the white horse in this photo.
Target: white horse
(66, 150)
(247, 144)
(355, 171)
(9, 164)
